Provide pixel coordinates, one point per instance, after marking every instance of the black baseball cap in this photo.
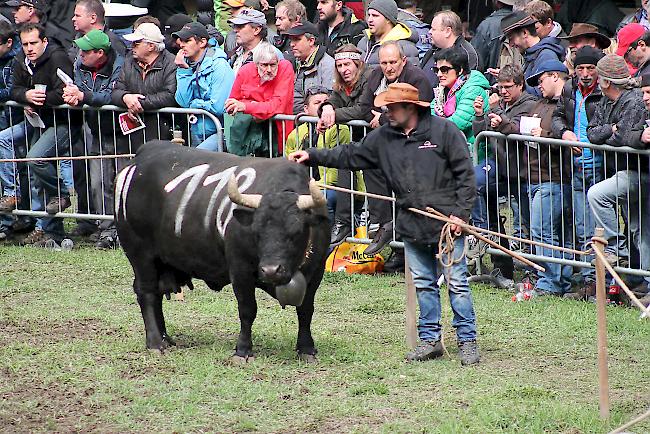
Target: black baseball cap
(303, 28)
(195, 29)
(36, 4)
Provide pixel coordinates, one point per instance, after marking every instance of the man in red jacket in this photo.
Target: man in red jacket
(263, 89)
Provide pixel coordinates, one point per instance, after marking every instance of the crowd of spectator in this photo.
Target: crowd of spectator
(581, 75)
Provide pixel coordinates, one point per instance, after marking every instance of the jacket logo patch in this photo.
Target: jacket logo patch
(427, 145)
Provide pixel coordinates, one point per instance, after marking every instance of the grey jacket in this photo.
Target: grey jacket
(320, 72)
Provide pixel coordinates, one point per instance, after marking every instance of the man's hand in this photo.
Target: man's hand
(374, 123)
(478, 105)
(495, 120)
(299, 156)
(72, 95)
(571, 137)
(536, 132)
(455, 228)
(645, 136)
(264, 4)
(35, 97)
(328, 117)
(180, 60)
(614, 128)
(493, 71)
(232, 106)
(493, 100)
(132, 102)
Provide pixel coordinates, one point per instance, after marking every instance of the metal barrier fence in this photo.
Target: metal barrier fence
(558, 191)
(82, 154)
(526, 178)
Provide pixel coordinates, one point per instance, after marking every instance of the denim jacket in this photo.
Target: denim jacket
(206, 88)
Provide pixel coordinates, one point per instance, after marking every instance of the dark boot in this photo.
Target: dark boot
(468, 352)
(426, 350)
(381, 238)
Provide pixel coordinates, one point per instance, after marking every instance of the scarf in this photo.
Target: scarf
(445, 106)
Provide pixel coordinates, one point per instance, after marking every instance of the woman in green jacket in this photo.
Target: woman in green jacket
(454, 97)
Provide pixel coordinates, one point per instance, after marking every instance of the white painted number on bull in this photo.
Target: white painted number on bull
(195, 174)
(122, 184)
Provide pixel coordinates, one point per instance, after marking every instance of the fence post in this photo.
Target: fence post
(599, 243)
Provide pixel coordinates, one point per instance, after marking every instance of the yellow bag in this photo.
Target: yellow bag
(350, 257)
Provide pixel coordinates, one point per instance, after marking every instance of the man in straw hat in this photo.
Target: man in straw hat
(426, 163)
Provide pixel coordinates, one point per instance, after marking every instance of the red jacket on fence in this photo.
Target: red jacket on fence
(267, 99)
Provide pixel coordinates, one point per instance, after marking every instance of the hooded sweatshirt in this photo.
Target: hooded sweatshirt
(370, 47)
(549, 48)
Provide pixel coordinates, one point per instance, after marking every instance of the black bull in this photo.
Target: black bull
(176, 221)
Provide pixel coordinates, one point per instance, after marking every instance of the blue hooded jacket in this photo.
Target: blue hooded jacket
(206, 88)
(548, 48)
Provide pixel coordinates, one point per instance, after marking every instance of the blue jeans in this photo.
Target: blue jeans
(46, 183)
(623, 190)
(583, 179)
(547, 203)
(209, 143)
(423, 267)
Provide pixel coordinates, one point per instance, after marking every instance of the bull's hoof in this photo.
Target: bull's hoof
(166, 344)
(307, 358)
(241, 360)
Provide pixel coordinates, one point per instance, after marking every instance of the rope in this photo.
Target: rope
(446, 246)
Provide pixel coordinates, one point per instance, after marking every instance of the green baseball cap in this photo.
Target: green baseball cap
(93, 40)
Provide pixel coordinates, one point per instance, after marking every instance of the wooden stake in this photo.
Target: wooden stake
(601, 301)
(411, 310)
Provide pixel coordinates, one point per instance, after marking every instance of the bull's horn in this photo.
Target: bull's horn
(313, 200)
(247, 200)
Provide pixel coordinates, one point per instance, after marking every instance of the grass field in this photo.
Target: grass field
(73, 359)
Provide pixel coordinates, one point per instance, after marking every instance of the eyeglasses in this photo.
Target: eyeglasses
(506, 87)
(442, 69)
(632, 46)
(317, 90)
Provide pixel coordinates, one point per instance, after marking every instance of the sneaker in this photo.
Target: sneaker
(340, 231)
(9, 203)
(395, 263)
(645, 300)
(381, 238)
(34, 237)
(107, 242)
(468, 352)
(501, 281)
(583, 293)
(426, 350)
(473, 250)
(5, 234)
(58, 204)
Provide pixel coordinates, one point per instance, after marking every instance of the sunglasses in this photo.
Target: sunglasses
(632, 46)
(442, 69)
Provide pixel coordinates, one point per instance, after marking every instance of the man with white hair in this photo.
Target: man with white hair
(262, 89)
(147, 82)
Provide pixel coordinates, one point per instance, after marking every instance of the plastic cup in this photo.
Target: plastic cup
(41, 87)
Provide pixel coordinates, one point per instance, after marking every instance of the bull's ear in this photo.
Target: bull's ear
(243, 216)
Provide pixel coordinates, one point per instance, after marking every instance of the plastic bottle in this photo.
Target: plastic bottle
(614, 292)
(52, 245)
(525, 291)
(67, 244)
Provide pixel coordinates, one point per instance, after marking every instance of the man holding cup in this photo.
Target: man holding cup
(37, 86)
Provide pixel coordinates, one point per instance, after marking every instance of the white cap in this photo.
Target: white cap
(146, 32)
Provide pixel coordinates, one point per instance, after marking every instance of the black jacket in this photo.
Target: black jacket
(487, 39)
(282, 43)
(626, 112)
(430, 167)
(410, 74)
(43, 72)
(564, 114)
(350, 31)
(158, 86)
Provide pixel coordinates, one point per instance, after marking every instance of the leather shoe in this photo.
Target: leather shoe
(340, 231)
(381, 238)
